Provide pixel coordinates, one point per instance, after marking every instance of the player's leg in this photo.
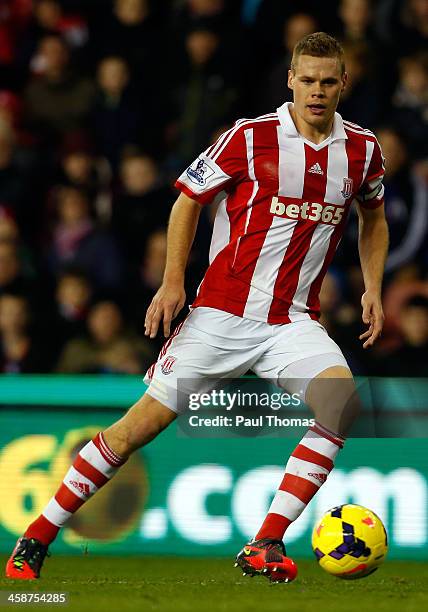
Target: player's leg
(331, 396)
(209, 344)
(93, 467)
(141, 424)
(96, 463)
(325, 382)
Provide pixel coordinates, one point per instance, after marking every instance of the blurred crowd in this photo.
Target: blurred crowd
(104, 102)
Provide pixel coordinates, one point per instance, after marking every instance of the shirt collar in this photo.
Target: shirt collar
(287, 124)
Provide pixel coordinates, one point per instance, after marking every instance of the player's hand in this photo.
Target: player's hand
(166, 305)
(372, 316)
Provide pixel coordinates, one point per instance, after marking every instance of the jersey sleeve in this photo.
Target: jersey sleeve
(219, 168)
(372, 190)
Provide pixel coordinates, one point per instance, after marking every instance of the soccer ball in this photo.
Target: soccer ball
(350, 541)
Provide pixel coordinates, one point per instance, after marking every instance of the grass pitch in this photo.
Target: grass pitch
(214, 585)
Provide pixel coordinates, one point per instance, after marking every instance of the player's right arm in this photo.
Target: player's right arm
(217, 169)
(170, 297)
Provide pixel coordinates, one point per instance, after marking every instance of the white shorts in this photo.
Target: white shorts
(213, 344)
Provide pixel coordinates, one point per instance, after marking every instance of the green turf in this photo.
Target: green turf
(213, 585)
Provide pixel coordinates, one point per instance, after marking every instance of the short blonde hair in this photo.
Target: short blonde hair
(318, 44)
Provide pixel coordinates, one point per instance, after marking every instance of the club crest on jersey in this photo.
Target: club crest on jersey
(348, 186)
(166, 365)
(199, 172)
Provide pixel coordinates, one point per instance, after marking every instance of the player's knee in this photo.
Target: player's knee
(334, 399)
(344, 409)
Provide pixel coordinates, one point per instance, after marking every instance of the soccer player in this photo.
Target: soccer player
(287, 181)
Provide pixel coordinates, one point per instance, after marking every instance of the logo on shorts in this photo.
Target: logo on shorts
(200, 173)
(348, 185)
(167, 364)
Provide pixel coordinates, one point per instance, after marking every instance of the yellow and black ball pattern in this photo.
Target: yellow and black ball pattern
(350, 541)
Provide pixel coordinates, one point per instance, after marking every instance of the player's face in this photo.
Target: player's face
(317, 83)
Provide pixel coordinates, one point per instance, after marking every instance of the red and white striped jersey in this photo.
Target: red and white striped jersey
(285, 201)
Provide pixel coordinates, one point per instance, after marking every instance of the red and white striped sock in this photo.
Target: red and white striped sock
(95, 464)
(306, 470)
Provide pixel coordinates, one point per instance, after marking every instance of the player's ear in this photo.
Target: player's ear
(344, 80)
(290, 81)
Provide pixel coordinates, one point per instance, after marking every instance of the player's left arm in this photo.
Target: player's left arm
(373, 249)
